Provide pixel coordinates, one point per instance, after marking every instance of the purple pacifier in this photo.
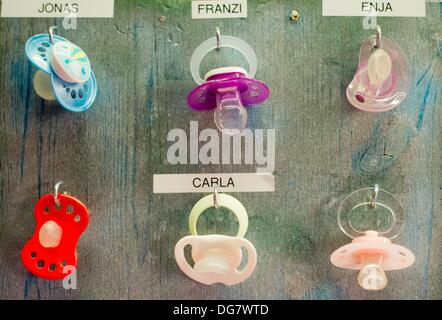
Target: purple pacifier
(228, 89)
(382, 80)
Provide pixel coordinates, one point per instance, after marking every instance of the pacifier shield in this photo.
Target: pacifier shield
(75, 97)
(395, 257)
(252, 91)
(72, 218)
(70, 62)
(38, 49)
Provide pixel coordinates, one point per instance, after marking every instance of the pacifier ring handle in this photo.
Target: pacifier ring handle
(371, 199)
(222, 200)
(378, 37)
(379, 206)
(374, 197)
(215, 198)
(218, 39)
(51, 33)
(216, 43)
(56, 188)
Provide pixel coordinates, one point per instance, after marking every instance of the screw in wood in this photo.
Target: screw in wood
(295, 15)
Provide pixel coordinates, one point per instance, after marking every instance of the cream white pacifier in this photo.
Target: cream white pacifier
(217, 257)
(64, 72)
(372, 252)
(382, 79)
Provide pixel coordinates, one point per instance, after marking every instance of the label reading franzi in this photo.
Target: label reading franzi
(214, 9)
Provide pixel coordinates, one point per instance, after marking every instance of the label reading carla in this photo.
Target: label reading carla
(386, 8)
(225, 182)
(57, 9)
(215, 9)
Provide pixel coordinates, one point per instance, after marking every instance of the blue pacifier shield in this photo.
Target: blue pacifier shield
(75, 97)
(38, 49)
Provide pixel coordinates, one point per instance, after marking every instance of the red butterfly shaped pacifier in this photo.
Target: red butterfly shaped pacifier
(60, 221)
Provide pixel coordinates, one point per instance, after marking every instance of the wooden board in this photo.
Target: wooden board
(324, 150)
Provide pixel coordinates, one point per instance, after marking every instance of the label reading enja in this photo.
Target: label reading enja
(57, 8)
(215, 9)
(385, 8)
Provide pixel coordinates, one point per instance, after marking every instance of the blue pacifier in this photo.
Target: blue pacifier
(64, 72)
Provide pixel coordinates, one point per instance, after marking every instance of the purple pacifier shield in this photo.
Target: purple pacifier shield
(252, 91)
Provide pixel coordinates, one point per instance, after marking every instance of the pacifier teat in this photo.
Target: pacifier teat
(227, 90)
(217, 257)
(60, 221)
(372, 276)
(230, 114)
(50, 234)
(64, 71)
(214, 261)
(382, 79)
(371, 252)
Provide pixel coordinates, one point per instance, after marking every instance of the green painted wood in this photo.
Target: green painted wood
(325, 149)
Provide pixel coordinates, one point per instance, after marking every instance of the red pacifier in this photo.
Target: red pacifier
(60, 221)
(372, 252)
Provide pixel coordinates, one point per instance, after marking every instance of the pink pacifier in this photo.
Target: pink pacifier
(372, 252)
(382, 80)
(217, 257)
(230, 89)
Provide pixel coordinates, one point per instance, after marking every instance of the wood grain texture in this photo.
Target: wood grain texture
(325, 149)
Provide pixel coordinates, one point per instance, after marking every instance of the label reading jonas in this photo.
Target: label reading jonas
(57, 8)
(215, 9)
(386, 8)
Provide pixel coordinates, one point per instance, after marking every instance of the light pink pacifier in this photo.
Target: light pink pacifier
(217, 257)
(382, 80)
(371, 252)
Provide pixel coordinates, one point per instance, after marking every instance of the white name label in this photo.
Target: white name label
(215, 9)
(202, 183)
(57, 8)
(387, 8)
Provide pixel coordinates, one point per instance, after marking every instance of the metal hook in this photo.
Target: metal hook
(374, 196)
(215, 198)
(218, 39)
(56, 188)
(378, 37)
(51, 33)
